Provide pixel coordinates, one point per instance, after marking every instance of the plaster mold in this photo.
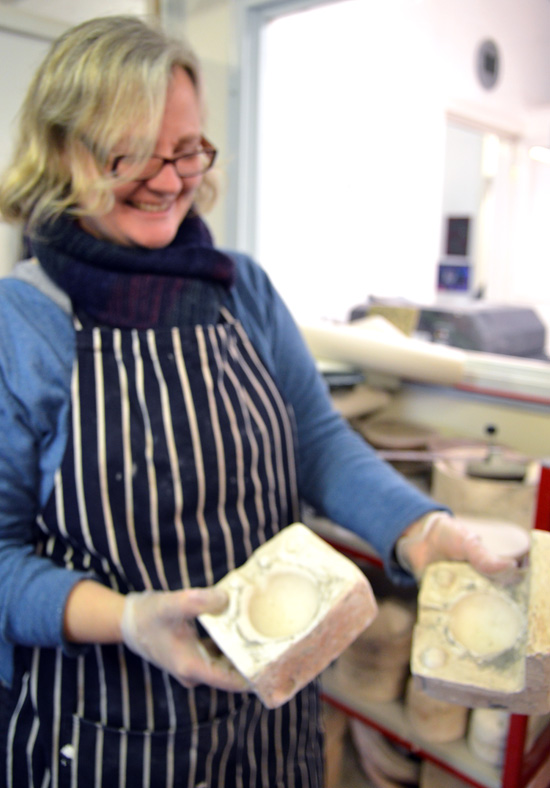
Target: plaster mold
(479, 643)
(294, 606)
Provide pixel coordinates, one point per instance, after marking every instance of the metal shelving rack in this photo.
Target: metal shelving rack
(520, 764)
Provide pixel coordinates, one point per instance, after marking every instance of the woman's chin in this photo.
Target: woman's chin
(135, 228)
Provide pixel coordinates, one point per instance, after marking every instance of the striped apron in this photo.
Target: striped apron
(180, 462)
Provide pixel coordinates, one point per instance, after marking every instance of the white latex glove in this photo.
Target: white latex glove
(160, 627)
(440, 537)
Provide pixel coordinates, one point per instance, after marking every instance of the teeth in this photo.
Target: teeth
(151, 208)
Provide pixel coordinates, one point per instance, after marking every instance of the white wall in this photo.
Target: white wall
(19, 56)
(210, 27)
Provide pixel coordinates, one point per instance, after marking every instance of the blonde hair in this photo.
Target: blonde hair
(102, 81)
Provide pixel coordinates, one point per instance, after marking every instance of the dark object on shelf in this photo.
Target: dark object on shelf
(478, 325)
(505, 330)
(495, 465)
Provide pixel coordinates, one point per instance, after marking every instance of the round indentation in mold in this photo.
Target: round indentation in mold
(283, 604)
(445, 577)
(485, 624)
(433, 658)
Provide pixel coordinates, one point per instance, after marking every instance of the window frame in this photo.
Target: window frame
(253, 16)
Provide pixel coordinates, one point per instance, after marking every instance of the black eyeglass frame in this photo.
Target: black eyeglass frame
(205, 147)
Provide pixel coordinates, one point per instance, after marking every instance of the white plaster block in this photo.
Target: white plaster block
(479, 643)
(294, 606)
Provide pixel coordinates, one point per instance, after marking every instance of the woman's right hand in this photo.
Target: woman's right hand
(160, 627)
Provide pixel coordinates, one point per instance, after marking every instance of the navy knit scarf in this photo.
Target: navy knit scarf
(132, 287)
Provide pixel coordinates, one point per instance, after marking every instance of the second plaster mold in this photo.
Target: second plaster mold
(294, 606)
(480, 643)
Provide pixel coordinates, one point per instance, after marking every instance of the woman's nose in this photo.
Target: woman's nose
(167, 179)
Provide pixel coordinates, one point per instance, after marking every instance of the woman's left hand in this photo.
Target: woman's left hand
(440, 537)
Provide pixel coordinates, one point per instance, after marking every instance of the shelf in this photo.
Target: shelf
(511, 377)
(391, 720)
(526, 750)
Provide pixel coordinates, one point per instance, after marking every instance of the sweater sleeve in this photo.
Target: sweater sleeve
(339, 473)
(36, 353)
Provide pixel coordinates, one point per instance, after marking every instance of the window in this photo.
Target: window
(347, 158)
(350, 159)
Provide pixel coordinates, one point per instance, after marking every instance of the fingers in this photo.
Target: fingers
(202, 663)
(219, 672)
(485, 562)
(192, 602)
(228, 680)
(456, 542)
(440, 537)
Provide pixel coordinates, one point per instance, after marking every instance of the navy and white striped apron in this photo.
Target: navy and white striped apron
(180, 462)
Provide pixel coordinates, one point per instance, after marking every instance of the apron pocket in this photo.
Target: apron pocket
(116, 758)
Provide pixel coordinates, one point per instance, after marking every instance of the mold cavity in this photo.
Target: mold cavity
(485, 624)
(283, 604)
(445, 577)
(434, 658)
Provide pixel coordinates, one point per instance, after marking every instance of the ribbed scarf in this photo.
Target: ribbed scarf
(133, 287)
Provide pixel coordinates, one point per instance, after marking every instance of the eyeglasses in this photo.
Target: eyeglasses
(188, 165)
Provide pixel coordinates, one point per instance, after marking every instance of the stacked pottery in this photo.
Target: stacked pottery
(385, 764)
(375, 667)
(488, 734)
(433, 719)
(396, 435)
(335, 723)
(433, 776)
(459, 483)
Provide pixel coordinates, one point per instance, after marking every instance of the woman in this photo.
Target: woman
(161, 418)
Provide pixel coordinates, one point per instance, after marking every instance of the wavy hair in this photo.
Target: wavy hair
(102, 81)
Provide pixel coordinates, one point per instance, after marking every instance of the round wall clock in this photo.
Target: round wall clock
(488, 64)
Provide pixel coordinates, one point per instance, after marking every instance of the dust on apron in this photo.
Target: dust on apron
(179, 463)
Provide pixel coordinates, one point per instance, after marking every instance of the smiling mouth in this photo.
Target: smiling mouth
(152, 207)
